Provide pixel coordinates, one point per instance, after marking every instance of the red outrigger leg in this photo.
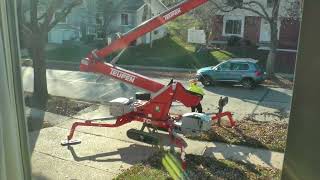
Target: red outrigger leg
(217, 116)
(120, 121)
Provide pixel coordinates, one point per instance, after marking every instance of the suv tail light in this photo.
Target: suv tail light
(258, 73)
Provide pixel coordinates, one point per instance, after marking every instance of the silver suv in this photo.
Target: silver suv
(243, 71)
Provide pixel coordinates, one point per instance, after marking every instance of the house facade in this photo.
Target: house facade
(254, 28)
(79, 22)
(128, 14)
(86, 19)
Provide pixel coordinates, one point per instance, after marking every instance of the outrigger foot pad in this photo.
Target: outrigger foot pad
(70, 142)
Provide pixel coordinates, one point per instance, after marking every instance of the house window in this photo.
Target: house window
(270, 3)
(233, 27)
(91, 30)
(125, 19)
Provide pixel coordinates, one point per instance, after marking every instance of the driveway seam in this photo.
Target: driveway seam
(260, 100)
(56, 157)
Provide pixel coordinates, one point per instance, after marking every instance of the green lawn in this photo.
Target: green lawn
(69, 53)
(171, 51)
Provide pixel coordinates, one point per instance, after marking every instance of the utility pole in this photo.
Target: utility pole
(150, 16)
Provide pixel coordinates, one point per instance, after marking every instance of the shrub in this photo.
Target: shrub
(234, 41)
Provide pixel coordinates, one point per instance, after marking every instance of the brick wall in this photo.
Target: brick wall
(252, 28)
(289, 34)
(217, 28)
(285, 62)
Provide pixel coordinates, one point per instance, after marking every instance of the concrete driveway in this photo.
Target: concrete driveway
(263, 103)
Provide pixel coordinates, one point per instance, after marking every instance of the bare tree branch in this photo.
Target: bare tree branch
(256, 12)
(42, 16)
(275, 9)
(263, 9)
(250, 6)
(65, 11)
(224, 8)
(51, 10)
(34, 14)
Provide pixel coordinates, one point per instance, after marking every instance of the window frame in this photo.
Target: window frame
(234, 18)
(121, 22)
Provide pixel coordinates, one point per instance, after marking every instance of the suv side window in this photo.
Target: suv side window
(243, 67)
(239, 66)
(235, 66)
(225, 67)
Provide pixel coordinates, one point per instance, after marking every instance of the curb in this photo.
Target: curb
(156, 68)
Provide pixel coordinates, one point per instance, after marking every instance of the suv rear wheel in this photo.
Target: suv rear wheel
(206, 81)
(248, 83)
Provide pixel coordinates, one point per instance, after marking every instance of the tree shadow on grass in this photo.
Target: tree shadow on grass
(200, 167)
(203, 167)
(247, 140)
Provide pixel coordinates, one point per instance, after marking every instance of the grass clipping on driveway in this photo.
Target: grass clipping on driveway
(267, 135)
(199, 167)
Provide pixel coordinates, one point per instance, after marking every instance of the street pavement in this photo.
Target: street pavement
(263, 103)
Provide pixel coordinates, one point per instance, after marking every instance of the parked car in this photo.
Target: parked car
(243, 71)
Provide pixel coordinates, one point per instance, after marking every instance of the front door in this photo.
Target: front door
(264, 31)
(265, 35)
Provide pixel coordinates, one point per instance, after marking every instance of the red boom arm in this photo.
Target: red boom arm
(93, 61)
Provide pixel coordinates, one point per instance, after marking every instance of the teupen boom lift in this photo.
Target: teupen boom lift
(152, 111)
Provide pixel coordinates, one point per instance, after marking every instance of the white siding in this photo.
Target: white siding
(282, 10)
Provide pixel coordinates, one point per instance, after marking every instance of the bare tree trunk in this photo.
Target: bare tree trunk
(273, 49)
(40, 94)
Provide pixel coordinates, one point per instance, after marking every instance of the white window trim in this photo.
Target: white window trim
(128, 19)
(279, 23)
(226, 18)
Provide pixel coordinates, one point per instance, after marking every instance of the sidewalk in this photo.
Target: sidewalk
(105, 152)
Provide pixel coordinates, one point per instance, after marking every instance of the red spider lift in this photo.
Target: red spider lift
(152, 111)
